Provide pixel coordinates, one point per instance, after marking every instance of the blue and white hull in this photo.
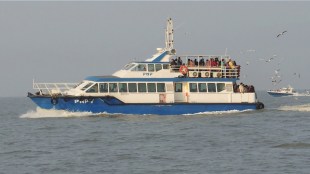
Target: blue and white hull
(112, 105)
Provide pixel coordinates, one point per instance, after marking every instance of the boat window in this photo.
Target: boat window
(151, 87)
(211, 87)
(93, 89)
(165, 66)
(76, 86)
(142, 87)
(193, 87)
(140, 67)
(122, 87)
(158, 67)
(161, 87)
(103, 87)
(87, 86)
(202, 87)
(178, 87)
(132, 87)
(128, 66)
(113, 87)
(220, 87)
(150, 67)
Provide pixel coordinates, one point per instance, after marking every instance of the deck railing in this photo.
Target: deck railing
(209, 72)
(53, 88)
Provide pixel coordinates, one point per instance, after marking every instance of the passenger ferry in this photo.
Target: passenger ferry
(286, 91)
(165, 84)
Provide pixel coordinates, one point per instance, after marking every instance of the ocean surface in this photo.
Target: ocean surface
(274, 140)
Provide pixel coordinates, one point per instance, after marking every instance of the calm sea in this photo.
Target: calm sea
(274, 140)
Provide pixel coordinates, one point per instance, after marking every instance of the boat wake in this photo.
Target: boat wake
(220, 112)
(44, 113)
(300, 108)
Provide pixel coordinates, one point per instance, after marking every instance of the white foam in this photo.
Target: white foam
(220, 112)
(51, 113)
(301, 108)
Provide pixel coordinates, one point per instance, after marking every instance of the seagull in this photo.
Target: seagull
(269, 59)
(280, 34)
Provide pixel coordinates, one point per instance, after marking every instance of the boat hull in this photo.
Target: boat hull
(275, 94)
(114, 106)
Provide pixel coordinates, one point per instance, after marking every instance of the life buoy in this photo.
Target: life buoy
(183, 69)
(207, 74)
(219, 75)
(54, 101)
(195, 74)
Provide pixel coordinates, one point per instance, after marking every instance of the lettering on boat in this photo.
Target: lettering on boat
(147, 74)
(83, 101)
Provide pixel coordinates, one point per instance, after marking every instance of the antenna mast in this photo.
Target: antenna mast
(169, 35)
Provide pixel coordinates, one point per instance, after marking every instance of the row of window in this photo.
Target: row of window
(146, 67)
(204, 87)
(125, 87)
(154, 87)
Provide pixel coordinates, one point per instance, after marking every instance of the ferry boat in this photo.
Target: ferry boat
(285, 91)
(165, 84)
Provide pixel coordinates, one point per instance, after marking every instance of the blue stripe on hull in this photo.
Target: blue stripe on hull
(97, 105)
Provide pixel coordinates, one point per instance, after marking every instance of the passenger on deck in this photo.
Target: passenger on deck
(201, 62)
(173, 62)
(179, 61)
(191, 63)
(196, 62)
(223, 64)
(208, 63)
(241, 88)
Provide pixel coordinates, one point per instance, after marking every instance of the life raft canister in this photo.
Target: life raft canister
(183, 69)
(219, 75)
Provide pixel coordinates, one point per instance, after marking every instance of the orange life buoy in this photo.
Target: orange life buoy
(183, 69)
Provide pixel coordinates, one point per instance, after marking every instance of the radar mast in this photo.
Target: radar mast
(169, 35)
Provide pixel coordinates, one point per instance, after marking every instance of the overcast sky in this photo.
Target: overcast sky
(67, 41)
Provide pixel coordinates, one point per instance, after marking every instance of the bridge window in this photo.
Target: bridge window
(150, 67)
(165, 66)
(122, 87)
(140, 67)
(158, 67)
(113, 87)
(151, 87)
(211, 87)
(193, 87)
(202, 87)
(93, 89)
(178, 87)
(132, 87)
(128, 66)
(87, 86)
(220, 87)
(103, 87)
(142, 87)
(161, 87)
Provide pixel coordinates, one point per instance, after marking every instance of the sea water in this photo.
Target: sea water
(273, 140)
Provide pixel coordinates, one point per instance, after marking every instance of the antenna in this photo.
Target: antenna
(169, 35)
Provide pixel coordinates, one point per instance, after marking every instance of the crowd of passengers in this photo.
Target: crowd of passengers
(212, 62)
(242, 88)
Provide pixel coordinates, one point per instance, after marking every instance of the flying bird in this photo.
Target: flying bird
(280, 34)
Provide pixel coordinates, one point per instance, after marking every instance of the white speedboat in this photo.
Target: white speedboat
(286, 91)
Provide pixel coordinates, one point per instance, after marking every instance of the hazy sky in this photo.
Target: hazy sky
(67, 41)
